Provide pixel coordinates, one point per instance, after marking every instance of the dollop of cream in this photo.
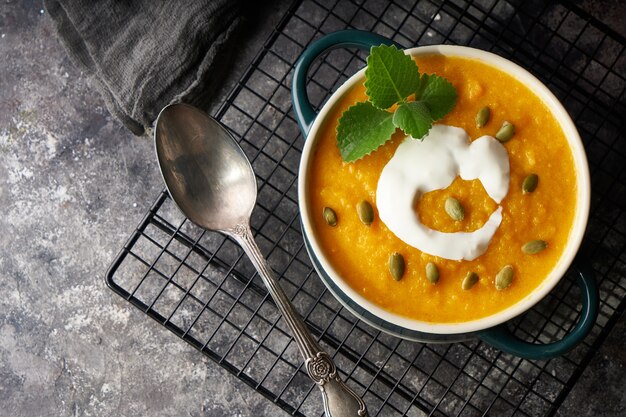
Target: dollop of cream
(420, 166)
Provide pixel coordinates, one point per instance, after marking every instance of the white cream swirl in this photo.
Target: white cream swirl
(433, 163)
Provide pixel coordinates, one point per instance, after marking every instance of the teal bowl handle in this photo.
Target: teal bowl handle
(342, 39)
(501, 337)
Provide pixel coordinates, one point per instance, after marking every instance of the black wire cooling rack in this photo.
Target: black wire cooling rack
(201, 287)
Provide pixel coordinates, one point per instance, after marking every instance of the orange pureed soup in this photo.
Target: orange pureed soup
(360, 253)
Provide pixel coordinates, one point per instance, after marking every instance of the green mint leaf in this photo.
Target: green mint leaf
(391, 76)
(414, 118)
(362, 129)
(421, 85)
(438, 95)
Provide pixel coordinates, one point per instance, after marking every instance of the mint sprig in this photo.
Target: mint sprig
(362, 129)
(438, 95)
(392, 78)
(414, 118)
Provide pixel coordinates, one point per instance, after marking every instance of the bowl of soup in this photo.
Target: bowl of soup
(415, 268)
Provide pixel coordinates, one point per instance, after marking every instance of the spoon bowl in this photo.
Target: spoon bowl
(206, 172)
(212, 182)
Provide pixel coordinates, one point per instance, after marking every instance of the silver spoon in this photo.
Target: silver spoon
(211, 180)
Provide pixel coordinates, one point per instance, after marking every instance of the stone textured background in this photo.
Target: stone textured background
(73, 185)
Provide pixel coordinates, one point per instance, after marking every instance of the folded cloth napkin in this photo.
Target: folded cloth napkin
(146, 54)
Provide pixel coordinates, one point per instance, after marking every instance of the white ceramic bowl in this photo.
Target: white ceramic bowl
(427, 331)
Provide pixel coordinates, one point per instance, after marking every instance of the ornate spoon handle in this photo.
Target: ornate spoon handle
(339, 399)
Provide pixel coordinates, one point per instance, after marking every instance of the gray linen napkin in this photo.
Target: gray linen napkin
(145, 54)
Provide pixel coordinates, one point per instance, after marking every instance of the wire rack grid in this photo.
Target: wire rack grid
(200, 286)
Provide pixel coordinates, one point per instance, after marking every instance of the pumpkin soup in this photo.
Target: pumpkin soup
(537, 210)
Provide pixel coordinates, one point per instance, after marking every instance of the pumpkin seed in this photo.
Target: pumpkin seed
(506, 132)
(469, 281)
(396, 266)
(365, 212)
(330, 217)
(432, 273)
(482, 117)
(534, 246)
(454, 209)
(504, 278)
(530, 183)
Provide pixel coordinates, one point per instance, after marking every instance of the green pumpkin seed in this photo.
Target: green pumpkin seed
(469, 281)
(504, 278)
(530, 183)
(330, 217)
(534, 246)
(506, 132)
(365, 212)
(396, 266)
(432, 273)
(454, 209)
(482, 117)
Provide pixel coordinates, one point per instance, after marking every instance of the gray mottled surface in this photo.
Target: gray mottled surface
(73, 185)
